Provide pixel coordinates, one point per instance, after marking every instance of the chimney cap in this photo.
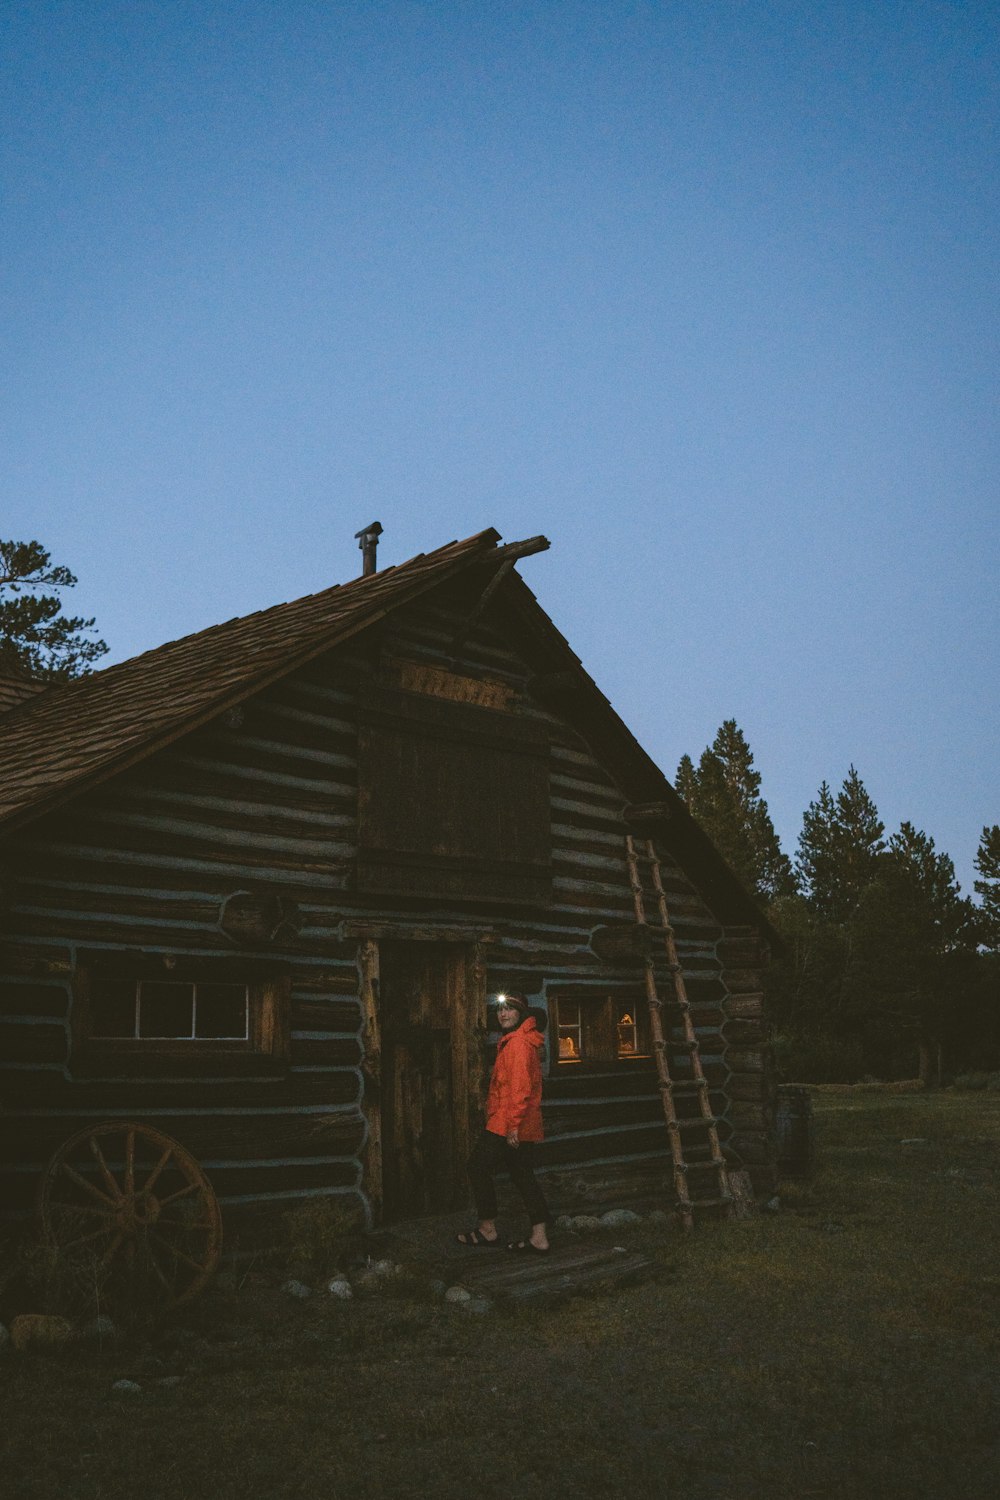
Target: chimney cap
(374, 529)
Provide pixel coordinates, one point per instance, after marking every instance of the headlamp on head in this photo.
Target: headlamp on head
(512, 1002)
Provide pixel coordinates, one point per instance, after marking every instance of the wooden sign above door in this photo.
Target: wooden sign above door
(440, 682)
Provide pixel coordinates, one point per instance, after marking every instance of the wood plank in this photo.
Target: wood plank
(316, 1013)
(37, 1088)
(562, 1120)
(28, 1139)
(18, 1189)
(22, 998)
(603, 1145)
(566, 1271)
(325, 1052)
(32, 1041)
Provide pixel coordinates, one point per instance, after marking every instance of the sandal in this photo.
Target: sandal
(474, 1239)
(525, 1247)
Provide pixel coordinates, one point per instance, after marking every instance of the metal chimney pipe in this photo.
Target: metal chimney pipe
(368, 542)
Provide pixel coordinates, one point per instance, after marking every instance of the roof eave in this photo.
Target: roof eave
(335, 636)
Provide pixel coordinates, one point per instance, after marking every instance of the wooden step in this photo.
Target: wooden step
(565, 1271)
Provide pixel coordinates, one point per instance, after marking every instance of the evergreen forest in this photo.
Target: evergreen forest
(888, 970)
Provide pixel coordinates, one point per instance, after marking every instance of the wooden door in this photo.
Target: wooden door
(431, 1035)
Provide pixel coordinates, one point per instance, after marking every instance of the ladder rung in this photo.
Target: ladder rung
(719, 1202)
(699, 1120)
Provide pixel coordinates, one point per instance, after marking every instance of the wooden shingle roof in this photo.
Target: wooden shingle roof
(14, 688)
(76, 734)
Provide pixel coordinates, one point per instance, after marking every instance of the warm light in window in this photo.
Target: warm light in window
(628, 1039)
(570, 1032)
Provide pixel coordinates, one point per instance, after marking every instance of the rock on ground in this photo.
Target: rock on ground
(384, 1268)
(99, 1330)
(39, 1331)
(616, 1218)
(297, 1289)
(587, 1223)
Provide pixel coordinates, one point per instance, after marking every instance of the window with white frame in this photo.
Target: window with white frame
(169, 1009)
(170, 1013)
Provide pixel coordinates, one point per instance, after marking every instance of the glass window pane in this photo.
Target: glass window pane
(221, 1011)
(628, 1041)
(570, 1032)
(165, 1008)
(112, 1007)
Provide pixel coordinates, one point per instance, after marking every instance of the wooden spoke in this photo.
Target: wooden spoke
(157, 1239)
(184, 1192)
(151, 1180)
(98, 1155)
(112, 1250)
(85, 1239)
(158, 1272)
(88, 1187)
(84, 1209)
(130, 1162)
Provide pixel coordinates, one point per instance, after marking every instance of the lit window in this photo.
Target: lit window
(570, 1032)
(628, 1035)
(598, 1028)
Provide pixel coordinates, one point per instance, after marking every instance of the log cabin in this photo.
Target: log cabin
(259, 885)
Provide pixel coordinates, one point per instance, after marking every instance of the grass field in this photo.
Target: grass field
(845, 1347)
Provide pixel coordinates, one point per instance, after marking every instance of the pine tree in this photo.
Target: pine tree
(839, 847)
(949, 915)
(686, 780)
(911, 934)
(817, 856)
(35, 636)
(987, 862)
(723, 794)
(889, 987)
(860, 836)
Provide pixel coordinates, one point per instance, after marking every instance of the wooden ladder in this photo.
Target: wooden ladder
(641, 853)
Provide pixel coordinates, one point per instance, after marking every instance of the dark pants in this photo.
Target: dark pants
(492, 1154)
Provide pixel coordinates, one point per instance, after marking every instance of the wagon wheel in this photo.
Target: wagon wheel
(128, 1218)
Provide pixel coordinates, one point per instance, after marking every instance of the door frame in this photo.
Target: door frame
(466, 1000)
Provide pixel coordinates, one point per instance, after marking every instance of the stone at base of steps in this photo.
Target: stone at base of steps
(566, 1270)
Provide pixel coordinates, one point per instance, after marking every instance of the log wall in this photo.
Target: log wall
(270, 805)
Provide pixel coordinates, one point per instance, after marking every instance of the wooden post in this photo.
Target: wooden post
(371, 1067)
(476, 1041)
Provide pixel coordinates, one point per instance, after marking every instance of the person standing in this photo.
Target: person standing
(513, 1131)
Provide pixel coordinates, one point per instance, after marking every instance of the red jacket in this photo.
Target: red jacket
(514, 1101)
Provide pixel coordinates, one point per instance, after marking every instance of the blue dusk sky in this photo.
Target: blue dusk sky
(706, 292)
